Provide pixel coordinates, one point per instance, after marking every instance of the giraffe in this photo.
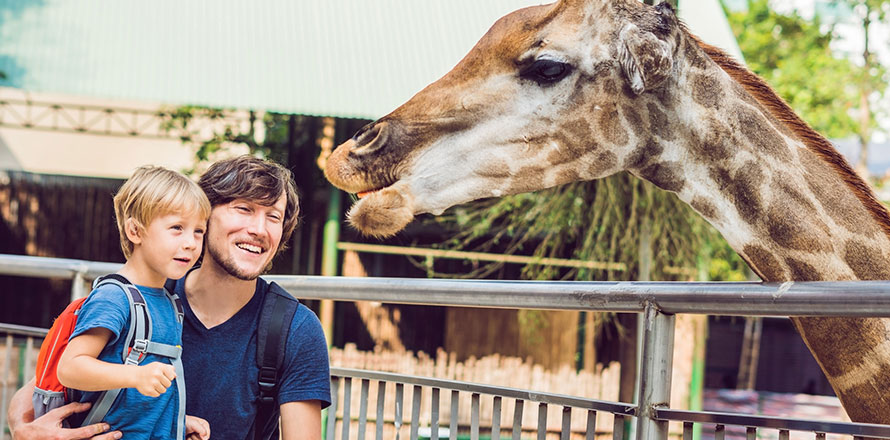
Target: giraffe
(581, 89)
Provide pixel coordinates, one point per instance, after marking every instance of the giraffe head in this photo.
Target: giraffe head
(533, 105)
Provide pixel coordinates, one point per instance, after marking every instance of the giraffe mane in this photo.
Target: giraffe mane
(815, 142)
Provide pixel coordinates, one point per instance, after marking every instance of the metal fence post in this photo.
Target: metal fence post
(78, 286)
(655, 372)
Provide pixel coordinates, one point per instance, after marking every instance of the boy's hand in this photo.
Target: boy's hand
(153, 379)
(196, 428)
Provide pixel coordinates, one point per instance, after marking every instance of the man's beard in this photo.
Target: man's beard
(229, 266)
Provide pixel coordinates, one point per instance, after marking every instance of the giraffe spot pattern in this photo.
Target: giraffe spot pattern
(697, 60)
(844, 208)
(760, 133)
(606, 160)
(788, 193)
(705, 208)
(609, 124)
(802, 271)
(873, 390)
(706, 90)
(658, 122)
(858, 337)
(632, 118)
(609, 87)
(742, 189)
(764, 263)
(665, 175)
(648, 151)
(495, 168)
(574, 141)
(867, 262)
(716, 146)
(789, 229)
(567, 175)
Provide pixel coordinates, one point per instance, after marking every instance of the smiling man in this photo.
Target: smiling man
(254, 211)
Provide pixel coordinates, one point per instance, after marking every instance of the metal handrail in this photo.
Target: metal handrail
(822, 298)
(626, 409)
(657, 301)
(784, 423)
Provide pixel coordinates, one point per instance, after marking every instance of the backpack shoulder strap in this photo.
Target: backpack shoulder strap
(170, 290)
(276, 316)
(138, 337)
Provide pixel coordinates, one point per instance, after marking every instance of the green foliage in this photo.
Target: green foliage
(591, 221)
(794, 56)
(212, 131)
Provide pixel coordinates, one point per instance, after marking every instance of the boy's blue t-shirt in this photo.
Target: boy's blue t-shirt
(135, 415)
(220, 363)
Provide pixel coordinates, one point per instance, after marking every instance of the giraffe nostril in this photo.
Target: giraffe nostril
(370, 138)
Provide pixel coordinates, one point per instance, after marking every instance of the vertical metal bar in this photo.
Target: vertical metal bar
(542, 421)
(363, 409)
(474, 416)
(77, 286)
(400, 391)
(751, 433)
(29, 357)
(4, 379)
(517, 419)
(496, 418)
(381, 403)
(687, 430)
(566, 433)
(415, 411)
(332, 410)
(347, 403)
(784, 434)
(720, 432)
(591, 425)
(655, 373)
(618, 428)
(434, 415)
(452, 424)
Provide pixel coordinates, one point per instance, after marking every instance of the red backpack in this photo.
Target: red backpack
(49, 393)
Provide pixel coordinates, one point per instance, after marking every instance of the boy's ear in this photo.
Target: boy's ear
(133, 230)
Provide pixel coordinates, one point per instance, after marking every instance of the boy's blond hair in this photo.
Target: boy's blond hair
(154, 191)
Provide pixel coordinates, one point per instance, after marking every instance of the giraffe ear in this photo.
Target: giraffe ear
(646, 59)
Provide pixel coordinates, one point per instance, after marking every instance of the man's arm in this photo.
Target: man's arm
(23, 426)
(301, 420)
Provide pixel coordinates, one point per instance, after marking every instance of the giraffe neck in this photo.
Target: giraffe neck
(785, 209)
(779, 204)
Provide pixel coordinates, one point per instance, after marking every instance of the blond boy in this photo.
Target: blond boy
(162, 217)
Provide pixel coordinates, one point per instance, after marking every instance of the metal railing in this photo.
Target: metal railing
(658, 302)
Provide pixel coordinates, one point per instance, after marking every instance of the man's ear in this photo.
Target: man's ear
(646, 59)
(133, 230)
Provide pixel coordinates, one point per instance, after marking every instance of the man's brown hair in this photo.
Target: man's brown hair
(258, 180)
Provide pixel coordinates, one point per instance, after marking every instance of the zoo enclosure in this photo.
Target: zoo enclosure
(658, 302)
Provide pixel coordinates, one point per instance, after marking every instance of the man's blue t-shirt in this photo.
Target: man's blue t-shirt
(135, 415)
(220, 363)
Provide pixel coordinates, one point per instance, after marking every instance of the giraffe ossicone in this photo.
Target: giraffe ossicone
(581, 89)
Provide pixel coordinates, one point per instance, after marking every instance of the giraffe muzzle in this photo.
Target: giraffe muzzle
(370, 138)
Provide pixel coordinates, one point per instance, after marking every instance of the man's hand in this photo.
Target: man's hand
(196, 428)
(49, 426)
(153, 379)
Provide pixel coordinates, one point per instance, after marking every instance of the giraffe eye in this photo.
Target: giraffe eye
(546, 72)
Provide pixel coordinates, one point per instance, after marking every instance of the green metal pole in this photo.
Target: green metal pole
(329, 258)
(329, 268)
(697, 380)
